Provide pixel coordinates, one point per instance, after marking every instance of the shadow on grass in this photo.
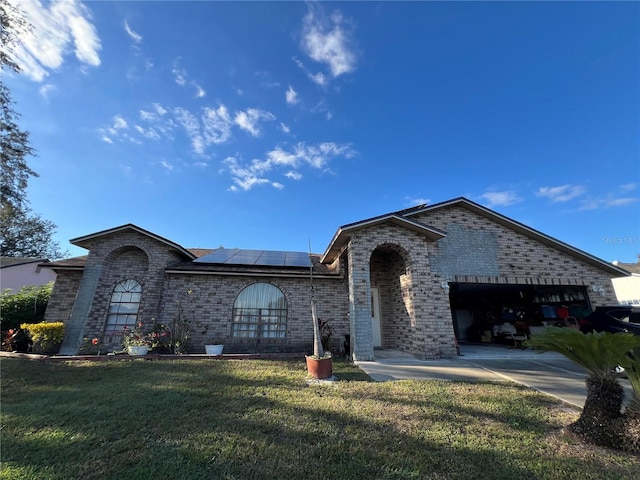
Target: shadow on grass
(259, 419)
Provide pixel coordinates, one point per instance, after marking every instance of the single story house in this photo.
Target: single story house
(416, 280)
(18, 272)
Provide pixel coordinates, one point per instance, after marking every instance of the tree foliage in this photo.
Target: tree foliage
(22, 233)
(26, 306)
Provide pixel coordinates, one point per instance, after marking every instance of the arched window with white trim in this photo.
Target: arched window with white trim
(260, 311)
(123, 308)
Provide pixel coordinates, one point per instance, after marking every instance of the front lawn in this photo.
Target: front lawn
(258, 419)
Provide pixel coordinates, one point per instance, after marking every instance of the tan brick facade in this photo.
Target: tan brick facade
(412, 264)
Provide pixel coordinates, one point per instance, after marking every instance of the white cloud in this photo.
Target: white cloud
(106, 139)
(284, 128)
(628, 187)
(213, 126)
(316, 156)
(328, 41)
(502, 199)
(200, 92)
(57, 28)
(45, 89)
(292, 96)
(216, 124)
(166, 165)
(417, 201)
(249, 119)
(119, 122)
(293, 175)
(136, 37)
(159, 109)
(562, 193)
(610, 201)
(179, 74)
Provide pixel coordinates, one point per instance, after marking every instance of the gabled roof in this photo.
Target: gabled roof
(343, 235)
(15, 261)
(87, 240)
(520, 228)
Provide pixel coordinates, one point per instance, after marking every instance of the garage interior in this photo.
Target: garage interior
(490, 313)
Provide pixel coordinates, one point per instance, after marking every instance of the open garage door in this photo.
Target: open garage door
(482, 312)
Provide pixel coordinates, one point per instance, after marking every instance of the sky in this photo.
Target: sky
(268, 125)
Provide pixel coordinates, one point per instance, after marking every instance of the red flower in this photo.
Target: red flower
(11, 331)
(95, 341)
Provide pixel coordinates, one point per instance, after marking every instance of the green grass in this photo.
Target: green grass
(260, 420)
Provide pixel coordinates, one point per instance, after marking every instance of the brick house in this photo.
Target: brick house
(412, 280)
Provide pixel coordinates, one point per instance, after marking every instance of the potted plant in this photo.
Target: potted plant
(320, 364)
(213, 346)
(135, 340)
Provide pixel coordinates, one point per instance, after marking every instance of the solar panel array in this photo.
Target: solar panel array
(264, 258)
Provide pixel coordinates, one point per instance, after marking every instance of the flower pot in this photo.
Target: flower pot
(137, 350)
(213, 349)
(321, 368)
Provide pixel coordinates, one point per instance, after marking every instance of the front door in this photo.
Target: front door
(375, 317)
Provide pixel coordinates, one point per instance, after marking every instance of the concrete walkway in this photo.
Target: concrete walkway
(548, 372)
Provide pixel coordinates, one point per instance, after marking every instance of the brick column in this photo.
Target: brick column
(360, 305)
(74, 328)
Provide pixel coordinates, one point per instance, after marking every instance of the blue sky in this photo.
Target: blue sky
(268, 125)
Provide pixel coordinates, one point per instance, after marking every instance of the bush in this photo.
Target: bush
(47, 337)
(26, 306)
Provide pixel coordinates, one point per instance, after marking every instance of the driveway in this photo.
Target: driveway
(548, 372)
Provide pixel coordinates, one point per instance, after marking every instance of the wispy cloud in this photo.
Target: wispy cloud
(292, 96)
(300, 155)
(328, 40)
(57, 29)
(628, 187)
(561, 193)
(500, 199)
(200, 92)
(212, 127)
(119, 122)
(136, 37)
(414, 201)
(44, 90)
(284, 128)
(249, 120)
(609, 201)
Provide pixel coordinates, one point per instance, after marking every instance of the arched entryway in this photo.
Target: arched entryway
(392, 312)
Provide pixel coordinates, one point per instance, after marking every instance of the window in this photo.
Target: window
(123, 309)
(260, 311)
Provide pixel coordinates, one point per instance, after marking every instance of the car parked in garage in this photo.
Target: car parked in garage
(614, 319)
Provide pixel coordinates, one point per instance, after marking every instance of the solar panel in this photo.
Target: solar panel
(266, 258)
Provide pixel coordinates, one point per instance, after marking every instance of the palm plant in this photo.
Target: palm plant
(631, 364)
(598, 353)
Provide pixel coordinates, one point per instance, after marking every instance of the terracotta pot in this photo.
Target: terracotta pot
(320, 368)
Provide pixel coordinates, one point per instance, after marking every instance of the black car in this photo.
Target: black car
(614, 319)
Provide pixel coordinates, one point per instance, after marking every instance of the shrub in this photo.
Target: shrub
(26, 306)
(47, 336)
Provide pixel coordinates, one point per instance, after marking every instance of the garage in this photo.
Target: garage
(488, 313)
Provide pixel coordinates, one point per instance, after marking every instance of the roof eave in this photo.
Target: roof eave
(86, 241)
(528, 231)
(343, 235)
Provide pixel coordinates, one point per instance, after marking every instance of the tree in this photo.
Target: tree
(22, 233)
(601, 421)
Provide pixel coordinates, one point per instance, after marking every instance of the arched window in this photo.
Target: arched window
(260, 311)
(123, 309)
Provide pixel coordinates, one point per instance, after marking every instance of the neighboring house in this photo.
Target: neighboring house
(628, 288)
(18, 272)
(411, 280)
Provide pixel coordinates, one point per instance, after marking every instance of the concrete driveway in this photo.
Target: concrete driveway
(548, 372)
